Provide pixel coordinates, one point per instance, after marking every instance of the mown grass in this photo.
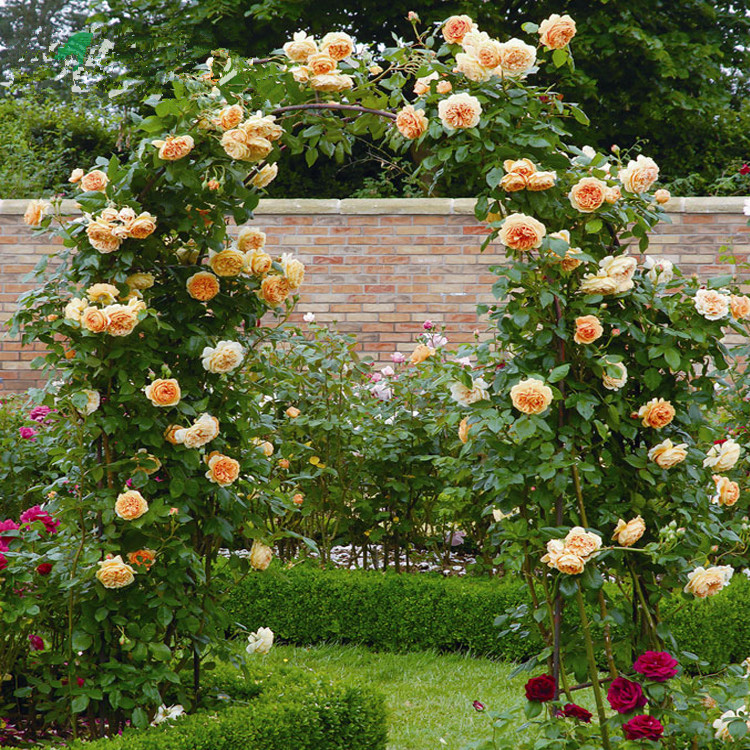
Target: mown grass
(429, 696)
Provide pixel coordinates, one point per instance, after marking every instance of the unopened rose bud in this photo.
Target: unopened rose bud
(615, 148)
(375, 70)
(616, 331)
(284, 463)
(412, 16)
(173, 511)
(213, 184)
(298, 499)
(292, 412)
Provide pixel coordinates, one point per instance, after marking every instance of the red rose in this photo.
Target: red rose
(540, 689)
(44, 569)
(643, 728)
(625, 696)
(745, 169)
(572, 711)
(36, 643)
(658, 666)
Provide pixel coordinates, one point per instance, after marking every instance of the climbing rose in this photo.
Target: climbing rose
(658, 666)
(625, 696)
(643, 727)
(540, 689)
(573, 711)
(556, 31)
(459, 111)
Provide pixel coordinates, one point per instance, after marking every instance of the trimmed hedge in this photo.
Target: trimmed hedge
(391, 612)
(290, 708)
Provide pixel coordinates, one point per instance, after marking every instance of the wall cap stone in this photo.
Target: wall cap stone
(406, 206)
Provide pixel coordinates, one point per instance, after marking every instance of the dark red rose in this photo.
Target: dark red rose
(625, 696)
(36, 643)
(745, 169)
(540, 689)
(81, 682)
(643, 728)
(658, 666)
(44, 569)
(572, 711)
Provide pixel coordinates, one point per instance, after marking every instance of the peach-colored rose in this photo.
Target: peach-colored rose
(258, 262)
(234, 145)
(598, 283)
(174, 147)
(300, 48)
(555, 548)
(224, 357)
(163, 392)
(222, 470)
(639, 175)
(516, 58)
(541, 181)
(627, 534)
(76, 175)
(294, 270)
(260, 555)
(657, 413)
(420, 354)
(739, 306)
(444, 87)
(712, 304)
(298, 498)
(337, 44)
(292, 412)
(229, 117)
(332, 82)
(102, 293)
(264, 176)
(250, 238)
(488, 52)
(130, 505)
(411, 123)
(260, 126)
(469, 66)
(614, 383)
(35, 212)
(102, 236)
(523, 167)
(228, 262)
(587, 194)
(140, 280)
(662, 196)
(203, 286)
(266, 448)
(459, 111)
(94, 181)
(583, 543)
(201, 432)
(727, 491)
(570, 564)
(620, 269)
(422, 85)
(169, 433)
(521, 232)
(613, 194)
(570, 262)
(93, 319)
(114, 573)
(456, 28)
(258, 148)
(588, 329)
(143, 558)
(74, 309)
(556, 31)
(321, 64)
(666, 455)
(121, 319)
(141, 226)
(705, 582)
(274, 290)
(513, 182)
(722, 456)
(531, 396)
(463, 430)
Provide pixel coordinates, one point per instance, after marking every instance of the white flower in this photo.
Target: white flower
(165, 713)
(721, 725)
(746, 207)
(722, 457)
(92, 403)
(659, 270)
(464, 361)
(387, 371)
(435, 340)
(589, 151)
(260, 641)
(382, 391)
(467, 396)
(309, 317)
(499, 516)
(711, 304)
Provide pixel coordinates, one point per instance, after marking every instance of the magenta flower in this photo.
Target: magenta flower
(478, 705)
(427, 325)
(398, 358)
(37, 644)
(37, 514)
(3, 561)
(27, 433)
(643, 727)
(38, 413)
(658, 666)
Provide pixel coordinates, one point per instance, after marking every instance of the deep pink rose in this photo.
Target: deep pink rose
(643, 728)
(540, 689)
(3, 561)
(658, 666)
(625, 696)
(27, 433)
(37, 514)
(478, 705)
(573, 711)
(37, 644)
(38, 413)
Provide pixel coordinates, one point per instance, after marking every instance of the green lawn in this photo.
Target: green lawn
(429, 696)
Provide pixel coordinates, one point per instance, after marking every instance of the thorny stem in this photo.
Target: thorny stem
(344, 107)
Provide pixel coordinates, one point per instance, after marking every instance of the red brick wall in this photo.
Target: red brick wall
(381, 267)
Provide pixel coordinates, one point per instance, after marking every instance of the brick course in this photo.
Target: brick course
(381, 267)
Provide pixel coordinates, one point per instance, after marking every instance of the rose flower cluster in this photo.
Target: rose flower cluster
(317, 62)
(105, 310)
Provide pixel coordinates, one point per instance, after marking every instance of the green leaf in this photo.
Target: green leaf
(558, 373)
(79, 703)
(559, 57)
(593, 226)
(672, 357)
(524, 428)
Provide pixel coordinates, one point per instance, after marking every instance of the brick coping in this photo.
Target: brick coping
(408, 206)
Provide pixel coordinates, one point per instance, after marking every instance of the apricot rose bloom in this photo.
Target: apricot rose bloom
(513, 182)
(657, 413)
(122, 319)
(556, 31)
(163, 392)
(459, 111)
(35, 212)
(114, 573)
(74, 309)
(102, 236)
(531, 396)
(274, 290)
(201, 432)
(420, 354)
(94, 181)
(516, 58)
(521, 232)
(711, 304)
(467, 396)
(588, 329)
(739, 307)
(93, 319)
(250, 238)
(76, 175)
(598, 283)
(260, 555)
(705, 582)
(727, 491)
(174, 147)
(141, 226)
(265, 176)
(300, 48)
(225, 357)
(258, 262)
(142, 557)
(639, 175)
(229, 117)
(620, 268)
(469, 66)
(456, 28)
(662, 196)
(422, 85)
(228, 262)
(666, 455)
(583, 543)
(203, 286)
(627, 534)
(102, 293)
(140, 280)
(561, 558)
(321, 64)
(130, 505)
(411, 123)
(332, 82)
(587, 194)
(337, 45)
(722, 457)
(541, 181)
(294, 270)
(222, 470)
(463, 430)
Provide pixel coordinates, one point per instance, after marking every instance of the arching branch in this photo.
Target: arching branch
(344, 107)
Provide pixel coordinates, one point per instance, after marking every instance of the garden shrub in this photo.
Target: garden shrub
(415, 612)
(290, 708)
